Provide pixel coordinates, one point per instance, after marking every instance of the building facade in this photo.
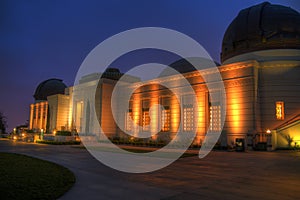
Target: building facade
(261, 74)
(39, 111)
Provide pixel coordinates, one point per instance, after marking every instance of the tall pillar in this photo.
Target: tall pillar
(31, 116)
(36, 105)
(46, 115)
(155, 117)
(41, 115)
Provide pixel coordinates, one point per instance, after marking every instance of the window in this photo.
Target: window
(188, 117)
(215, 122)
(280, 110)
(215, 118)
(128, 122)
(166, 119)
(146, 119)
(165, 114)
(145, 115)
(188, 113)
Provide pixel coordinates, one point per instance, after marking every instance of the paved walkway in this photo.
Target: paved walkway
(221, 175)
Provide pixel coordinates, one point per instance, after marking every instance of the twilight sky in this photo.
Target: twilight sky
(50, 39)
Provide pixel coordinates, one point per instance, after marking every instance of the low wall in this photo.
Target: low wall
(59, 138)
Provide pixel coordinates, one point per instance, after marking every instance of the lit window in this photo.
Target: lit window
(188, 117)
(145, 115)
(165, 114)
(280, 110)
(128, 124)
(166, 119)
(215, 118)
(146, 119)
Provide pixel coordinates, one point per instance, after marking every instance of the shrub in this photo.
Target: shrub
(58, 143)
(64, 133)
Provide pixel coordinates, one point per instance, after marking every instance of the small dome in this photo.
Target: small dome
(112, 73)
(262, 27)
(48, 88)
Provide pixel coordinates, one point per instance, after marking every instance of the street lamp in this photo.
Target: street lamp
(269, 140)
(14, 134)
(42, 134)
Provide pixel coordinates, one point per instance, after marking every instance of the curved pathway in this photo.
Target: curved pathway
(221, 175)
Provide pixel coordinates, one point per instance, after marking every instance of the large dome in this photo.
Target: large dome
(49, 87)
(262, 27)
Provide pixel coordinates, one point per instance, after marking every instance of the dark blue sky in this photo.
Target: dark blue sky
(46, 39)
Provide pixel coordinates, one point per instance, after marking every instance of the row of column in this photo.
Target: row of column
(38, 115)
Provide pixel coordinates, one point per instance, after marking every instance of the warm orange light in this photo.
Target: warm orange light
(268, 131)
(154, 117)
(136, 104)
(175, 114)
(235, 113)
(280, 110)
(234, 99)
(201, 113)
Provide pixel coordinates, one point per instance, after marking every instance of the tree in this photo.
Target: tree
(2, 123)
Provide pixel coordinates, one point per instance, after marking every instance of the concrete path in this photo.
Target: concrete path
(221, 175)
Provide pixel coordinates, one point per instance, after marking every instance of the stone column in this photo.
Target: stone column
(41, 115)
(31, 116)
(46, 116)
(36, 116)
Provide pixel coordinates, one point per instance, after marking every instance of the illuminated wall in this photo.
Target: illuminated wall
(107, 121)
(38, 115)
(86, 104)
(278, 86)
(59, 108)
(239, 82)
(289, 135)
(260, 97)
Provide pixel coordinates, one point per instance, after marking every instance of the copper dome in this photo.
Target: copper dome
(48, 88)
(262, 27)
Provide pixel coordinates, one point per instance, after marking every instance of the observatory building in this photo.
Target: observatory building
(260, 69)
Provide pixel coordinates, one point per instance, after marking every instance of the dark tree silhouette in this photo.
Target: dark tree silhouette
(2, 123)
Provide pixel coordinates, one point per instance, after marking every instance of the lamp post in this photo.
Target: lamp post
(14, 134)
(269, 140)
(42, 134)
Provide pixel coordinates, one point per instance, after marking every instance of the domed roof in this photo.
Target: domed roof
(184, 66)
(112, 73)
(49, 87)
(262, 27)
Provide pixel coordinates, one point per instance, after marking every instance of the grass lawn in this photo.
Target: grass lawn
(24, 177)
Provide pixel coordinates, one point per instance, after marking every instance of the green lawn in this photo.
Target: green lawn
(24, 177)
